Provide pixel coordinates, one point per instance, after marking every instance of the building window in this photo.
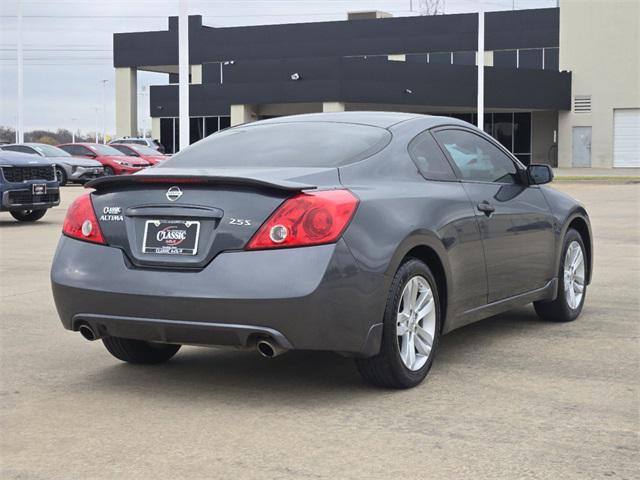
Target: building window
(503, 129)
(166, 134)
(211, 125)
(522, 134)
(196, 129)
(199, 127)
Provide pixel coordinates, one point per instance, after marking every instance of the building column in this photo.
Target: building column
(126, 102)
(243, 114)
(196, 74)
(333, 107)
(155, 128)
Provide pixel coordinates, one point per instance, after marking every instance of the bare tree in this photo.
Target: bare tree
(430, 7)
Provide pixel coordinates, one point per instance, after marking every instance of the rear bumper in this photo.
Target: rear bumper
(313, 298)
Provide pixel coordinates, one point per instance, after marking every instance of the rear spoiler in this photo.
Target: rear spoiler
(126, 180)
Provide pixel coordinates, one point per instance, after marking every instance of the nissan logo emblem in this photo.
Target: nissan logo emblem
(173, 194)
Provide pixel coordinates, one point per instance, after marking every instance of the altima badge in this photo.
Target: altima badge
(173, 194)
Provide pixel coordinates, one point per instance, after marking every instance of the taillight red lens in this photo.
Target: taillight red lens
(81, 222)
(307, 219)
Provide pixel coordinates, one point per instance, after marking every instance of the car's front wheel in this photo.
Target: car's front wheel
(411, 330)
(61, 176)
(139, 351)
(108, 172)
(28, 215)
(572, 287)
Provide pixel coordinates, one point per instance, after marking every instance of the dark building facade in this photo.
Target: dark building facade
(418, 64)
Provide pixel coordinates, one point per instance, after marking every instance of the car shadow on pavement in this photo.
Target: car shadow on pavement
(308, 377)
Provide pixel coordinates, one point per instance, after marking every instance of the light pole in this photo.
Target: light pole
(480, 120)
(20, 119)
(96, 109)
(183, 72)
(104, 111)
(73, 131)
(146, 107)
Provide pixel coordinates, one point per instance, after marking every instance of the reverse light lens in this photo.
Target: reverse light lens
(278, 233)
(81, 222)
(307, 219)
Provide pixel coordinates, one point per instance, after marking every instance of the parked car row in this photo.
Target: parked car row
(68, 168)
(81, 162)
(31, 173)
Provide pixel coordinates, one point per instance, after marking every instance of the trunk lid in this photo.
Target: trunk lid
(177, 218)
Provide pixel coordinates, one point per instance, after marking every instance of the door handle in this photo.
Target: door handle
(486, 208)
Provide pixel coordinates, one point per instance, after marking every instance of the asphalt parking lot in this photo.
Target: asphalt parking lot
(509, 397)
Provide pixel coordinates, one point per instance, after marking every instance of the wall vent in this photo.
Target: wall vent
(582, 104)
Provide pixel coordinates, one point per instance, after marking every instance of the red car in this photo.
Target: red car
(141, 151)
(114, 161)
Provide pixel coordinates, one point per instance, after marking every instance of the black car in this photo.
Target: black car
(28, 185)
(368, 234)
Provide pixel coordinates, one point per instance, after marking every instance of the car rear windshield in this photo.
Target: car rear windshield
(294, 144)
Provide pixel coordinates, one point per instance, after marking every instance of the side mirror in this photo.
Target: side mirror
(539, 174)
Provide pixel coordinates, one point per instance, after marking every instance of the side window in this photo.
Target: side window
(428, 157)
(75, 149)
(477, 159)
(19, 148)
(83, 150)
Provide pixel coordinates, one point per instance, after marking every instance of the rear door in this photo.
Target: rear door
(515, 221)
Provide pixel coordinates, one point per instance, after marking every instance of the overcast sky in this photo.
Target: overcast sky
(68, 46)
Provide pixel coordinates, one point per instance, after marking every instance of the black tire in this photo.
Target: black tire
(61, 176)
(139, 351)
(28, 215)
(108, 171)
(559, 309)
(386, 369)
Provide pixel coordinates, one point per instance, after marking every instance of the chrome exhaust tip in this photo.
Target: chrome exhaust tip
(87, 332)
(269, 349)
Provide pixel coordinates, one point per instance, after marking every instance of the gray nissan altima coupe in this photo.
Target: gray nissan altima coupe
(364, 233)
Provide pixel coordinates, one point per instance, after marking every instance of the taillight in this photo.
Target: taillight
(307, 219)
(81, 222)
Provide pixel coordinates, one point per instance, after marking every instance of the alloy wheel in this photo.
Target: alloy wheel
(416, 323)
(574, 275)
